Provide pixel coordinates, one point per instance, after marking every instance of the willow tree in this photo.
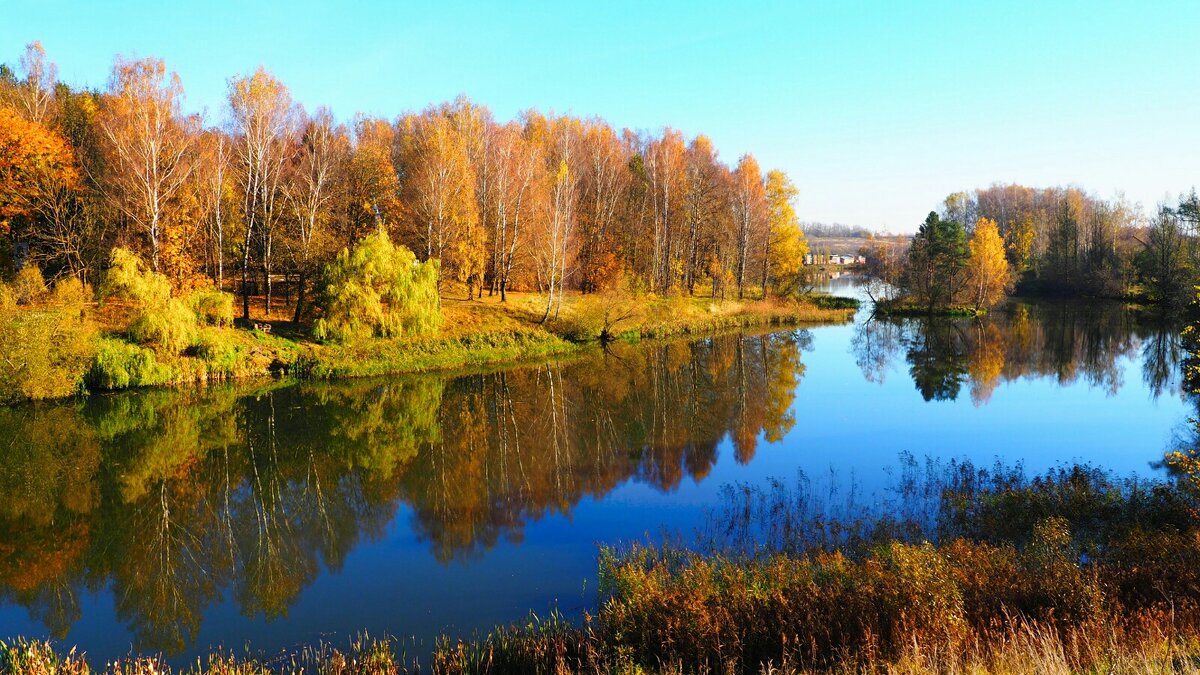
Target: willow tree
(148, 145)
(378, 289)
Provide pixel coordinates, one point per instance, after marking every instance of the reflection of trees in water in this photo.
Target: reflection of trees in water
(521, 444)
(1070, 342)
(169, 497)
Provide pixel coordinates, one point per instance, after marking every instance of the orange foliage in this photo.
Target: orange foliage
(29, 155)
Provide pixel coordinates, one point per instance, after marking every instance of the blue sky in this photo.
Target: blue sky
(876, 109)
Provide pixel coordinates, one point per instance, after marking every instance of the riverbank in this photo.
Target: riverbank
(1070, 571)
(474, 333)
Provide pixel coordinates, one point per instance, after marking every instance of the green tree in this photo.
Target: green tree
(936, 262)
(379, 289)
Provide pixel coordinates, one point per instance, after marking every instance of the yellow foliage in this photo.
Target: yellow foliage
(987, 266)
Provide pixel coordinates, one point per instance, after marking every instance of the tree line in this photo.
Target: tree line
(544, 202)
(986, 243)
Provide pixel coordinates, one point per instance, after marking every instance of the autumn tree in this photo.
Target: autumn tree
(372, 182)
(603, 181)
(34, 94)
(515, 198)
(666, 177)
(440, 185)
(37, 167)
(557, 247)
(785, 247)
(706, 195)
(214, 177)
(148, 143)
(749, 206)
(987, 267)
(264, 119)
(311, 190)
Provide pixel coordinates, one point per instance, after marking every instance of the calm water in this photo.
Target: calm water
(281, 514)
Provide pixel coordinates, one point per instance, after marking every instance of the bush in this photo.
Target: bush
(171, 327)
(44, 350)
(128, 278)
(70, 292)
(162, 320)
(212, 306)
(834, 302)
(223, 356)
(118, 365)
(378, 289)
(29, 287)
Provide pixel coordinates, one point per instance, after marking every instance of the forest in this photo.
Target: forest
(273, 191)
(982, 246)
(134, 234)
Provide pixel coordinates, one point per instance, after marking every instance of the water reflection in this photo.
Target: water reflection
(1069, 342)
(172, 500)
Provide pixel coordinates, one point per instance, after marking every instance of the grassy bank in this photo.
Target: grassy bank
(111, 352)
(901, 308)
(551, 647)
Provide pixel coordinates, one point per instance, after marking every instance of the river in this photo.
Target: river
(283, 513)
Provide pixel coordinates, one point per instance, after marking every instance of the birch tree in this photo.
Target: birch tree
(749, 209)
(34, 95)
(148, 145)
(263, 118)
(310, 192)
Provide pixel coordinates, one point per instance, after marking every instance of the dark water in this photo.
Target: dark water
(284, 513)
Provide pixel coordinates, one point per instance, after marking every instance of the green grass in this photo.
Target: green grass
(369, 357)
(474, 334)
(907, 309)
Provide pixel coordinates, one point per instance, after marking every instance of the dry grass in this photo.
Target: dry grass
(1025, 649)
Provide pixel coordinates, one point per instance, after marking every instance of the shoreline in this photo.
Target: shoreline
(232, 354)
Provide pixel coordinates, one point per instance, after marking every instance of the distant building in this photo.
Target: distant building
(833, 259)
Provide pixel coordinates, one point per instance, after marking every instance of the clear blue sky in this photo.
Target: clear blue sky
(876, 109)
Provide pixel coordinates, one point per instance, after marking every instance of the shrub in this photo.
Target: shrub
(118, 365)
(378, 289)
(162, 320)
(44, 350)
(28, 287)
(212, 306)
(70, 292)
(606, 314)
(834, 302)
(223, 356)
(129, 279)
